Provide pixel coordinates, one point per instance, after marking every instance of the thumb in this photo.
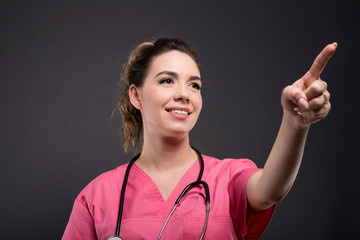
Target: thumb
(302, 103)
(292, 97)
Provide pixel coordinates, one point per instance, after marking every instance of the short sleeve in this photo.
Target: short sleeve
(81, 224)
(248, 224)
(257, 222)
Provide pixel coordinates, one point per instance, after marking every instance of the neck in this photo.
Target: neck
(164, 154)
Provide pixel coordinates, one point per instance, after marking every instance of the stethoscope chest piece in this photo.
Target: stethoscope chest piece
(114, 238)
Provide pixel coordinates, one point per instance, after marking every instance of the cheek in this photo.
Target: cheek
(155, 97)
(197, 102)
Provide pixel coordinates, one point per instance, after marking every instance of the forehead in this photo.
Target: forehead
(175, 61)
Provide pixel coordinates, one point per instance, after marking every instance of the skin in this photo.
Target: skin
(166, 137)
(172, 82)
(303, 104)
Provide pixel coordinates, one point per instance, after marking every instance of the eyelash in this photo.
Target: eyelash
(195, 85)
(166, 80)
(169, 81)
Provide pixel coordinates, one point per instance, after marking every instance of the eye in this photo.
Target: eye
(166, 81)
(195, 85)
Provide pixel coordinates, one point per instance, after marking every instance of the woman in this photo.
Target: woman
(160, 105)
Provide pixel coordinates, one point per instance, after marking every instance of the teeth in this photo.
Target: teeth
(180, 112)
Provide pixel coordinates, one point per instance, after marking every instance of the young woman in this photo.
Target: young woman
(231, 198)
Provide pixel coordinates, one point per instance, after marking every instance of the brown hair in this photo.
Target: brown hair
(134, 72)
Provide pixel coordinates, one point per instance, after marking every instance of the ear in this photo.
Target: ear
(134, 96)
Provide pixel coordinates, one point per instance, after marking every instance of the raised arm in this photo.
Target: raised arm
(304, 102)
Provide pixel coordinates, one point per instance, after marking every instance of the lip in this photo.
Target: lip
(177, 115)
(179, 108)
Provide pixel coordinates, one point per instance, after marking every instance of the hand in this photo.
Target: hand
(307, 100)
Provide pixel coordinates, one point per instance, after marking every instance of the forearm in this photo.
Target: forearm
(283, 163)
(304, 102)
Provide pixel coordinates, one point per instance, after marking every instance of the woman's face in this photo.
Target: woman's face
(170, 98)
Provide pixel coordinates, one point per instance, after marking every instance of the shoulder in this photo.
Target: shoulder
(103, 185)
(229, 164)
(229, 171)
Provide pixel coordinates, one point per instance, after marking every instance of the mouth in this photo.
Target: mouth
(179, 110)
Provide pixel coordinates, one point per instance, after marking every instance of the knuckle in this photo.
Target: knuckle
(328, 107)
(325, 84)
(316, 103)
(319, 101)
(317, 87)
(287, 89)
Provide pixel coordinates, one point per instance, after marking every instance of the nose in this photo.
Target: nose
(182, 93)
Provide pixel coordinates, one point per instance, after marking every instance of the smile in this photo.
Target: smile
(178, 110)
(181, 112)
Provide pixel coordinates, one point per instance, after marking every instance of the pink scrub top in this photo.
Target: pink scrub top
(95, 210)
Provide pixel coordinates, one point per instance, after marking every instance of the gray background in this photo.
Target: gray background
(60, 64)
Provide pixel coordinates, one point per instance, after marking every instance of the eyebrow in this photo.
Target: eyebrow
(174, 74)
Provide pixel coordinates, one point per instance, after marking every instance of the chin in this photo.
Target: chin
(177, 132)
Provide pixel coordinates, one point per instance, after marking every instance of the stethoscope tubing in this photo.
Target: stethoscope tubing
(122, 196)
(186, 189)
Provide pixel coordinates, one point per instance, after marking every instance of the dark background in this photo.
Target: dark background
(60, 64)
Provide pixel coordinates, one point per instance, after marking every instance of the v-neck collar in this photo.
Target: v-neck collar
(190, 176)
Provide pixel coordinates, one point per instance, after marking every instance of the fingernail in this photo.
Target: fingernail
(296, 109)
(335, 44)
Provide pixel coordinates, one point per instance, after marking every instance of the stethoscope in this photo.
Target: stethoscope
(187, 188)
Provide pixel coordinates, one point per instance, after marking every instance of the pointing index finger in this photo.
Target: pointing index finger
(321, 60)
